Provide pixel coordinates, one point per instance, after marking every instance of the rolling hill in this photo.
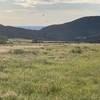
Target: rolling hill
(14, 32)
(86, 29)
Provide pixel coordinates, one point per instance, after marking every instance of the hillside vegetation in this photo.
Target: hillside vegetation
(85, 29)
(44, 71)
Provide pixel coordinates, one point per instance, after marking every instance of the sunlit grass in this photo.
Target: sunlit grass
(50, 72)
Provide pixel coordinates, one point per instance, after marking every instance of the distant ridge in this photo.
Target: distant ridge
(14, 32)
(86, 29)
(31, 27)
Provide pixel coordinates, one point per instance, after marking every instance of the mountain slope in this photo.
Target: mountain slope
(14, 32)
(83, 29)
(86, 29)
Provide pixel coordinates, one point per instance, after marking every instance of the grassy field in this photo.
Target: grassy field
(50, 71)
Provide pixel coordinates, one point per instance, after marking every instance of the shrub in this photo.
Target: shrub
(77, 50)
(17, 51)
(37, 41)
(3, 40)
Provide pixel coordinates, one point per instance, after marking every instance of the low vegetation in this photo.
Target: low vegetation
(50, 71)
(3, 40)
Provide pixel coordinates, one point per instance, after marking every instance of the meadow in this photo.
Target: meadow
(50, 71)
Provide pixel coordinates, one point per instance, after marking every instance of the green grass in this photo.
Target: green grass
(50, 72)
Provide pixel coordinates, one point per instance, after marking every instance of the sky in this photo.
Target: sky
(45, 12)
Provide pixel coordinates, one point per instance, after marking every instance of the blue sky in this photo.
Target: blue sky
(45, 12)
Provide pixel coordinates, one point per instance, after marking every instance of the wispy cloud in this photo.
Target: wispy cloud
(46, 11)
(8, 11)
(32, 3)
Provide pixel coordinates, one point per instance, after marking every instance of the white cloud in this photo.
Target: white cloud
(32, 3)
